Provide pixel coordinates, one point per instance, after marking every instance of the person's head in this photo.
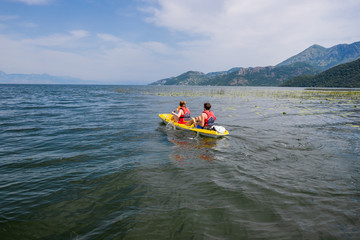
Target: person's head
(182, 104)
(207, 106)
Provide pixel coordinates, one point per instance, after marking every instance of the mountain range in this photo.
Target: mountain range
(311, 61)
(37, 79)
(325, 58)
(257, 76)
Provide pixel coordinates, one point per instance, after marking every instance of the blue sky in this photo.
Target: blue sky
(141, 41)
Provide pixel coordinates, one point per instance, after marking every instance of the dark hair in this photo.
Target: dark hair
(182, 104)
(207, 106)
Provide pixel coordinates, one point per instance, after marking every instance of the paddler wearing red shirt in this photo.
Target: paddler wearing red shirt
(182, 115)
(205, 120)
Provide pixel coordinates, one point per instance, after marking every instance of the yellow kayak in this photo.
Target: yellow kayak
(205, 132)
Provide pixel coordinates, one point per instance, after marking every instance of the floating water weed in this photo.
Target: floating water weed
(352, 125)
(218, 92)
(323, 96)
(122, 90)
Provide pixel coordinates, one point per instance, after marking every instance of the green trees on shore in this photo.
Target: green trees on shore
(344, 75)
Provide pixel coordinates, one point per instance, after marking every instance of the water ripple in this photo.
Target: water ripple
(94, 162)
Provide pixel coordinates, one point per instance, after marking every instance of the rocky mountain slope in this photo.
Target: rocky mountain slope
(325, 58)
(257, 76)
(311, 61)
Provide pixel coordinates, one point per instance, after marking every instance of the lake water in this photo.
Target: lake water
(95, 162)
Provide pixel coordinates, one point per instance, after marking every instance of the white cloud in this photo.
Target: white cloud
(108, 37)
(77, 34)
(34, 2)
(255, 17)
(256, 32)
(79, 55)
(58, 40)
(158, 47)
(8, 17)
(27, 25)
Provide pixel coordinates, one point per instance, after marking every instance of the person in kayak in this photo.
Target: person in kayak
(182, 114)
(205, 120)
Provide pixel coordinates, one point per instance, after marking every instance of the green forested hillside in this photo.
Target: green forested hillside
(344, 75)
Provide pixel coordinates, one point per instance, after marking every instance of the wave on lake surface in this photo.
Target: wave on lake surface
(95, 162)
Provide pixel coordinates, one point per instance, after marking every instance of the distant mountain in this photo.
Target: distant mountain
(258, 76)
(344, 75)
(37, 79)
(188, 78)
(325, 58)
(313, 60)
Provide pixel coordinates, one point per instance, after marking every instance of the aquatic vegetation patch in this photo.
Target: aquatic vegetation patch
(288, 101)
(353, 125)
(328, 95)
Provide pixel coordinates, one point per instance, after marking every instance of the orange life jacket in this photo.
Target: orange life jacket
(210, 120)
(185, 117)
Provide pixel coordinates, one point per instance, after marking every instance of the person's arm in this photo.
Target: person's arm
(177, 114)
(201, 119)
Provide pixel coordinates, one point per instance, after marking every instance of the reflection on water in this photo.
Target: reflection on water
(189, 147)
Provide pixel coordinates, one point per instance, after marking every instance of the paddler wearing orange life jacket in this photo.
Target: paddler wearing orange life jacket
(205, 120)
(182, 114)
